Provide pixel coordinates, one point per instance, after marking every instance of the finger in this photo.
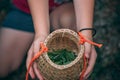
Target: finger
(29, 57)
(88, 75)
(39, 76)
(87, 50)
(31, 72)
(91, 63)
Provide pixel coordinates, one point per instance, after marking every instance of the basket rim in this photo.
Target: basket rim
(80, 54)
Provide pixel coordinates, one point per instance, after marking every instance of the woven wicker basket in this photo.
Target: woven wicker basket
(62, 39)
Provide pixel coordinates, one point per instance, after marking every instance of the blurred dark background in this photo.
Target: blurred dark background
(107, 24)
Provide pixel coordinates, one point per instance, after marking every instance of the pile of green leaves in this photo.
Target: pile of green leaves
(62, 57)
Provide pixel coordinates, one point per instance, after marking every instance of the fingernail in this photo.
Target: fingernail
(32, 76)
(86, 55)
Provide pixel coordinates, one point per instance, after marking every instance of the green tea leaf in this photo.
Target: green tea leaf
(61, 57)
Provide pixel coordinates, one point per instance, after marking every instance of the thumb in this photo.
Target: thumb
(87, 50)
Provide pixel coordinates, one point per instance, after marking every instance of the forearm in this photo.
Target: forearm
(40, 14)
(84, 10)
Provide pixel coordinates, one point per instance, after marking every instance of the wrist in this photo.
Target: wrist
(42, 36)
(88, 32)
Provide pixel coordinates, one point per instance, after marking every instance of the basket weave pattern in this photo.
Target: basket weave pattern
(62, 39)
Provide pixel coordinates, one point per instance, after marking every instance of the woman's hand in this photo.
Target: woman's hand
(90, 52)
(40, 14)
(35, 47)
(91, 55)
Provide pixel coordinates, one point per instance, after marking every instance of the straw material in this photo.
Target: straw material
(62, 39)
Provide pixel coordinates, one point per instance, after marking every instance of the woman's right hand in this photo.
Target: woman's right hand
(35, 47)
